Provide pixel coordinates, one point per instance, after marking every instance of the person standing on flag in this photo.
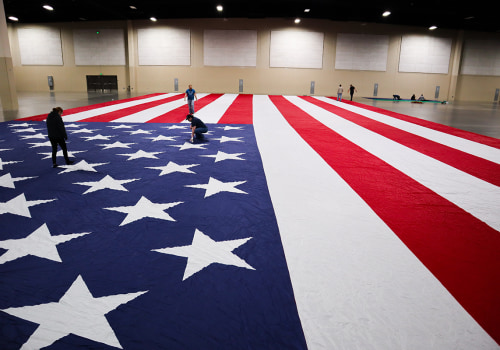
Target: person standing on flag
(351, 91)
(340, 90)
(57, 134)
(198, 128)
(190, 95)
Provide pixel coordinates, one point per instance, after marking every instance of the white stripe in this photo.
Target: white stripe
(102, 110)
(357, 286)
(474, 195)
(151, 113)
(464, 145)
(214, 111)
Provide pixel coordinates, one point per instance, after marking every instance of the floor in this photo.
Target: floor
(481, 117)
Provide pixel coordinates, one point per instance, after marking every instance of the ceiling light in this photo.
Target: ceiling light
(48, 7)
(432, 27)
(220, 8)
(307, 10)
(386, 13)
(297, 20)
(133, 7)
(153, 19)
(12, 18)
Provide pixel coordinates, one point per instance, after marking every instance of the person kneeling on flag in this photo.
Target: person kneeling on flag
(198, 128)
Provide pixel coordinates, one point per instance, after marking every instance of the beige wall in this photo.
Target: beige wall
(260, 79)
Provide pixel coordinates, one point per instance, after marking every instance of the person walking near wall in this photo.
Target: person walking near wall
(190, 95)
(340, 91)
(351, 90)
(57, 134)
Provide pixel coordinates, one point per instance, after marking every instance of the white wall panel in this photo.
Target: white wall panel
(424, 54)
(296, 49)
(481, 57)
(164, 47)
(99, 47)
(361, 52)
(40, 46)
(236, 48)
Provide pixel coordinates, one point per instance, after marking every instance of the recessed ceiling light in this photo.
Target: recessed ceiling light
(12, 18)
(470, 17)
(297, 20)
(153, 19)
(432, 27)
(386, 13)
(48, 7)
(307, 10)
(220, 8)
(133, 7)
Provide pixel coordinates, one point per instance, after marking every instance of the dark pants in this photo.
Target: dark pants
(54, 141)
(199, 132)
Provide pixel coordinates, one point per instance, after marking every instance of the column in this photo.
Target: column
(8, 94)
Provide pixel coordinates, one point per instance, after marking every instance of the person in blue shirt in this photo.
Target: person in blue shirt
(190, 95)
(198, 128)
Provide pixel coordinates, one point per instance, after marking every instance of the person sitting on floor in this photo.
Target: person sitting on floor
(396, 97)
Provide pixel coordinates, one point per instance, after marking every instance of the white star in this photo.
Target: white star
(26, 130)
(215, 186)
(117, 144)
(77, 312)
(105, 182)
(145, 208)
(162, 138)
(8, 181)
(172, 127)
(97, 137)
(141, 154)
(229, 139)
(74, 125)
(36, 136)
(16, 125)
(220, 156)
(204, 251)
(84, 131)
(39, 243)
(172, 167)
(82, 165)
(20, 206)
(189, 145)
(2, 163)
(59, 154)
(121, 126)
(139, 131)
(40, 144)
(228, 127)
(7, 149)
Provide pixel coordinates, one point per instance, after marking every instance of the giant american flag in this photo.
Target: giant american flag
(299, 223)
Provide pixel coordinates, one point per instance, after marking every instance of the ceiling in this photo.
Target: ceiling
(474, 16)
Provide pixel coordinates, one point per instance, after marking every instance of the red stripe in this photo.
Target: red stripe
(239, 112)
(107, 117)
(42, 117)
(486, 140)
(476, 166)
(179, 114)
(460, 250)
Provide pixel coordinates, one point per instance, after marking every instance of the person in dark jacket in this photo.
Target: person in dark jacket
(198, 128)
(57, 134)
